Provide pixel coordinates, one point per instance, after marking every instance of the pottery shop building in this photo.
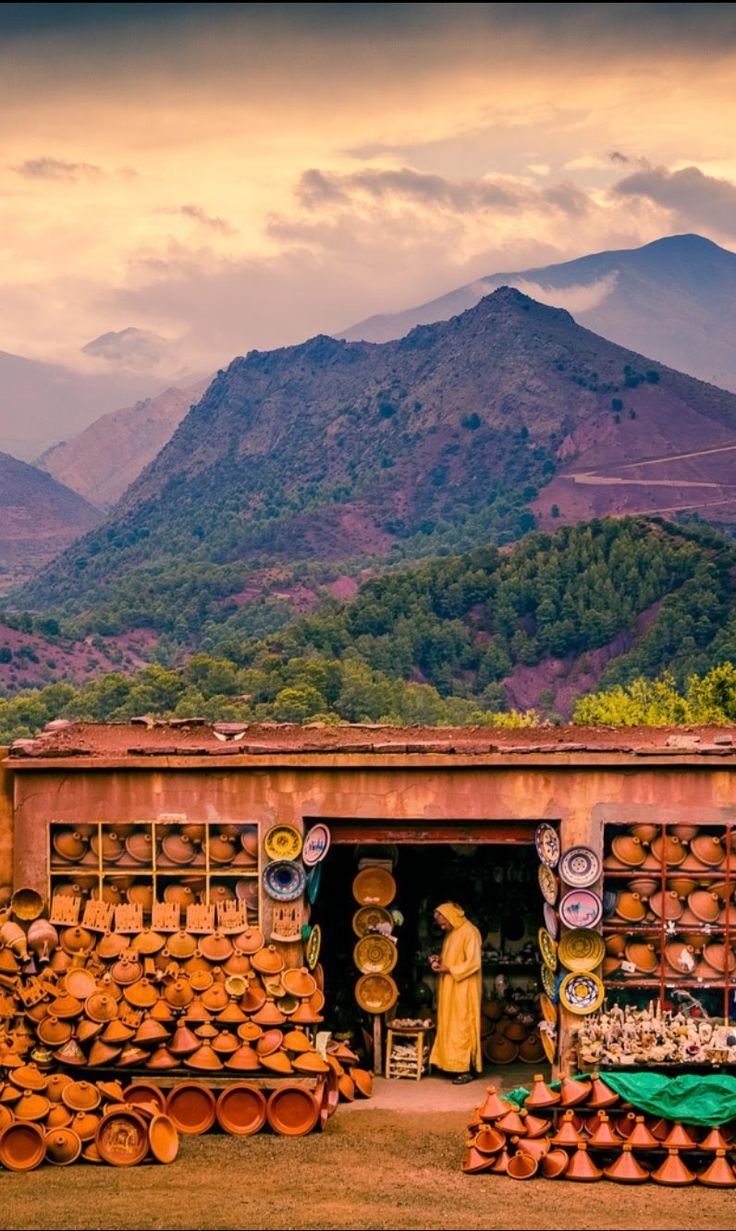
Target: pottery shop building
(634, 828)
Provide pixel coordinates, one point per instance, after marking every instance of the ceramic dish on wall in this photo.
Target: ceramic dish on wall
(376, 993)
(549, 981)
(548, 883)
(313, 946)
(374, 886)
(283, 880)
(547, 948)
(375, 954)
(282, 842)
(551, 920)
(581, 908)
(580, 867)
(370, 917)
(581, 950)
(316, 845)
(547, 842)
(581, 993)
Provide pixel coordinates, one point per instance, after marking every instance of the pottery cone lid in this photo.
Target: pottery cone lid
(102, 1053)
(58, 1117)
(311, 1062)
(215, 998)
(22, 1146)
(81, 1096)
(31, 1106)
(63, 1146)
(253, 998)
(269, 1042)
(162, 1059)
(66, 1006)
(122, 1138)
(163, 1139)
(151, 1032)
(250, 941)
(249, 1031)
(29, 1077)
(226, 1043)
(206, 1031)
(278, 1062)
(132, 1055)
(101, 1007)
(184, 1041)
(233, 1015)
(142, 994)
(70, 1053)
(87, 1030)
(269, 1015)
(55, 1084)
(346, 1086)
(161, 1012)
(244, 1060)
(148, 942)
(363, 1082)
(79, 982)
(216, 948)
(111, 1091)
(116, 1032)
(297, 1041)
(474, 1160)
(204, 1058)
(181, 944)
(299, 982)
(268, 961)
(197, 1012)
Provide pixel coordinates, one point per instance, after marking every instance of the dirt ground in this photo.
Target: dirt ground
(392, 1162)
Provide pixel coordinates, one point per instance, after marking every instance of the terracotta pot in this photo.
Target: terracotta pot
(641, 1137)
(626, 1169)
(268, 961)
(191, 1107)
(554, 1164)
(122, 1137)
(474, 1161)
(682, 885)
(537, 1147)
(216, 948)
(116, 1033)
(127, 969)
(69, 845)
(581, 1166)
(299, 982)
(541, 1095)
(81, 1096)
(85, 1124)
(278, 1062)
(673, 1171)
(181, 945)
(715, 1140)
(132, 1056)
(704, 905)
(244, 1060)
(292, 1111)
(719, 1174)
(643, 832)
(510, 1122)
(604, 1136)
(151, 1033)
(204, 1058)
(63, 1146)
(494, 1107)
(111, 945)
(225, 1043)
(215, 998)
(31, 1106)
(312, 1062)
(249, 1031)
(346, 1087)
(161, 1060)
(29, 1077)
(197, 1012)
(567, 1134)
(522, 1166)
(184, 1042)
(363, 1081)
(719, 956)
(145, 1092)
(629, 906)
(269, 1015)
(709, 849)
(679, 1137)
(666, 905)
(629, 850)
(670, 847)
(161, 1012)
(616, 944)
(179, 993)
(233, 1015)
(601, 1095)
(249, 941)
(645, 886)
(22, 1146)
(573, 1091)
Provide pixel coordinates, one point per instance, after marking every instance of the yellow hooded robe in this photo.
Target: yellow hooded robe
(457, 1043)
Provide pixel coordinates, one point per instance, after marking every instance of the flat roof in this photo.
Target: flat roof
(181, 741)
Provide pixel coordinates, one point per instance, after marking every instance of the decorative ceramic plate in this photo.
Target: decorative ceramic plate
(551, 921)
(580, 867)
(581, 908)
(581, 950)
(549, 1043)
(313, 946)
(283, 842)
(547, 948)
(548, 883)
(316, 845)
(376, 993)
(549, 982)
(122, 1138)
(581, 993)
(549, 1012)
(547, 842)
(369, 917)
(375, 954)
(374, 886)
(283, 880)
(314, 877)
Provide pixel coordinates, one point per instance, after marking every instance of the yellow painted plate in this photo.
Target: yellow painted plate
(581, 950)
(549, 1043)
(548, 949)
(375, 954)
(549, 1012)
(283, 842)
(581, 992)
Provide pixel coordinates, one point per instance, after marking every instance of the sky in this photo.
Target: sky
(230, 176)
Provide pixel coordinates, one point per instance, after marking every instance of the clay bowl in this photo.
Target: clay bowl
(122, 1137)
(709, 849)
(191, 1106)
(681, 885)
(22, 1146)
(145, 1092)
(645, 833)
(704, 905)
(292, 1111)
(241, 1109)
(645, 886)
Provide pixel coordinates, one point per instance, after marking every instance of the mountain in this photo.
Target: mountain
(38, 518)
(104, 459)
(329, 457)
(674, 299)
(131, 348)
(41, 403)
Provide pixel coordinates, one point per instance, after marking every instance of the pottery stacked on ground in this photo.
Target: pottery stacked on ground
(584, 1132)
(509, 1033)
(61, 1120)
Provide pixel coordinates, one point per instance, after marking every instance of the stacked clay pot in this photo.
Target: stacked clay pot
(57, 1119)
(582, 1131)
(179, 852)
(509, 1033)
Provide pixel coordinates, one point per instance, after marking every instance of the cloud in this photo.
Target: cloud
(207, 220)
(694, 199)
(318, 189)
(574, 298)
(56, 169)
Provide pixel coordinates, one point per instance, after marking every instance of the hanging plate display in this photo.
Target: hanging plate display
(547, 948)
(581, 908)
(547, 842)
(375, 954)
(316, 845)
(283, 842)
(551, 921)
(581, 993)
(376, 993)
(549, 1043)
(374, 886)
(283, 880)
(313, 878)
(548, 883)
(580, 867)
(549, 1012)
(581, 950)
(549, 982)
(313, 946)
(368, 918)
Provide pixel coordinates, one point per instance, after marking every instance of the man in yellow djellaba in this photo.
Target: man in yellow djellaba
(457, 1045)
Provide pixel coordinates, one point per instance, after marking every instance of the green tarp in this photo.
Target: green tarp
(706, 1099)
